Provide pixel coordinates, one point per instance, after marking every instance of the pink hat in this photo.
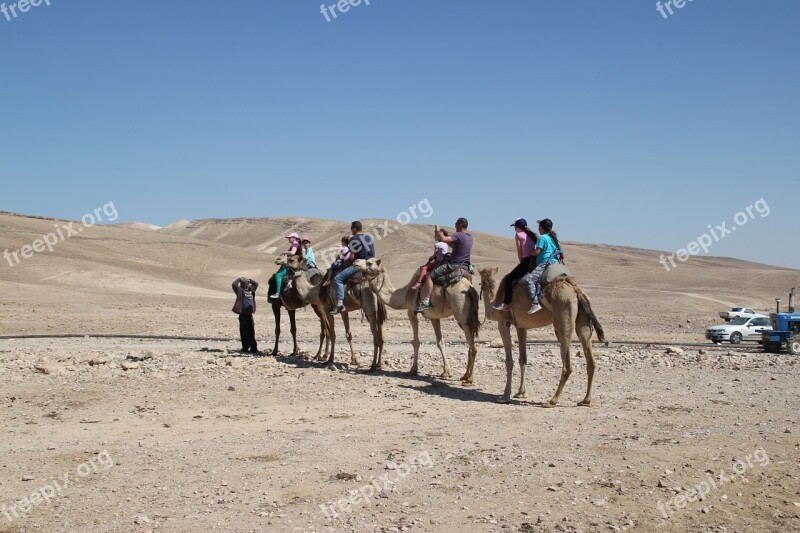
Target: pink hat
(293, 234)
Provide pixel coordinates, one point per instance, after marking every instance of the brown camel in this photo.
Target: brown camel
(324, 299)
(292, 301)
(565, 306)
(460, 301)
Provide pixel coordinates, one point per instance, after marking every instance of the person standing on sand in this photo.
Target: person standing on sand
(245, 307)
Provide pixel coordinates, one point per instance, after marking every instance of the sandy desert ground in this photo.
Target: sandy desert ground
(126, 434)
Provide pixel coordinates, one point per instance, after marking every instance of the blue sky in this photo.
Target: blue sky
(621, 126)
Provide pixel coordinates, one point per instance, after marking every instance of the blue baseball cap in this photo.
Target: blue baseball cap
(520, 223)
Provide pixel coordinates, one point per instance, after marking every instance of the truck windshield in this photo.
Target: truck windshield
(739, 321)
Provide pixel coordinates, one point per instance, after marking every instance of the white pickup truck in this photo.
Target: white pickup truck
(736, 312)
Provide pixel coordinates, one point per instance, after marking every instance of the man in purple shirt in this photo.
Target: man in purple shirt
(461, 242)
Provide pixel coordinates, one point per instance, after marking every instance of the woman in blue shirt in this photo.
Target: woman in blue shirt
(546, 252)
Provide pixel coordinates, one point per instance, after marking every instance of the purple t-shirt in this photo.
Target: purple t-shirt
(462, 248)
(294, 249)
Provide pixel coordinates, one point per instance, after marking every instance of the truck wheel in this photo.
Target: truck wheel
(736, 338)
(793, 345)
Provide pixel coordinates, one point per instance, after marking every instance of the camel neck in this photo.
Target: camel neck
(302, 284)
(488, 297)
(394, 298)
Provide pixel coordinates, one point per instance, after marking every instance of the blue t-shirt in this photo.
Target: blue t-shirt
(547, 246)
(361, 246)
(310, 258)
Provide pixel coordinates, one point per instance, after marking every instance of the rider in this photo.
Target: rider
(461, 241)
(342, 256)
(361, 247)
(440, 250)
(308, 253)
(294, 249)
(547, 251)
(526, 244)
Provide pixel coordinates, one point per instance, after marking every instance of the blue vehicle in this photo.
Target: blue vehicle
(785, 332)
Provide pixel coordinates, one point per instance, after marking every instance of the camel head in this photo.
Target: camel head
(489, 279)
(371, 268)
(295, 263)
(280, 260)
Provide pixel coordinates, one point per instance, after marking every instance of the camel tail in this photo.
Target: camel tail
(473, 322)
(585, 305)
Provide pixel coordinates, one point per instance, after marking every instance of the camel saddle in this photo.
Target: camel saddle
(454, 277)
(553, 272)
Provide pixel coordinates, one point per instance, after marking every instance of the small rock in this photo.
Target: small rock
(231, 388)
(140, 519)
(102, 360)
(44, 369)
(27, 478)
(126, 365)
(674, 351)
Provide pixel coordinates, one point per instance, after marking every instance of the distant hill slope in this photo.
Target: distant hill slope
(122, 266)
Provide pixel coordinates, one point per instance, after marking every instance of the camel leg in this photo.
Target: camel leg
(437, 330)
(331, 323)
(377, 346)
(349, 337)
(323, 334)
(293, 329)
(565, 340)
(276, 312)
(584, 331)
(412, 317)
(505, 333)
(472, 352)
(522, 338)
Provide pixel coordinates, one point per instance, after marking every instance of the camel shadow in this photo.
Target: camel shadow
(444, 389)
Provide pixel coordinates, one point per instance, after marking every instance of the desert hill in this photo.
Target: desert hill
(137, 278)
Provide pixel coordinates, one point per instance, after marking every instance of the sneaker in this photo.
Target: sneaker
(275, 296)
(326, 283)
(534, 308)
(424, 306)
(501, 307)
(338, 309)
(416, 286)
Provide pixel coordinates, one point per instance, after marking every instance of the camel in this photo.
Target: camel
(459, 300)
(324, 299)
(565, 306)
(292, 301)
